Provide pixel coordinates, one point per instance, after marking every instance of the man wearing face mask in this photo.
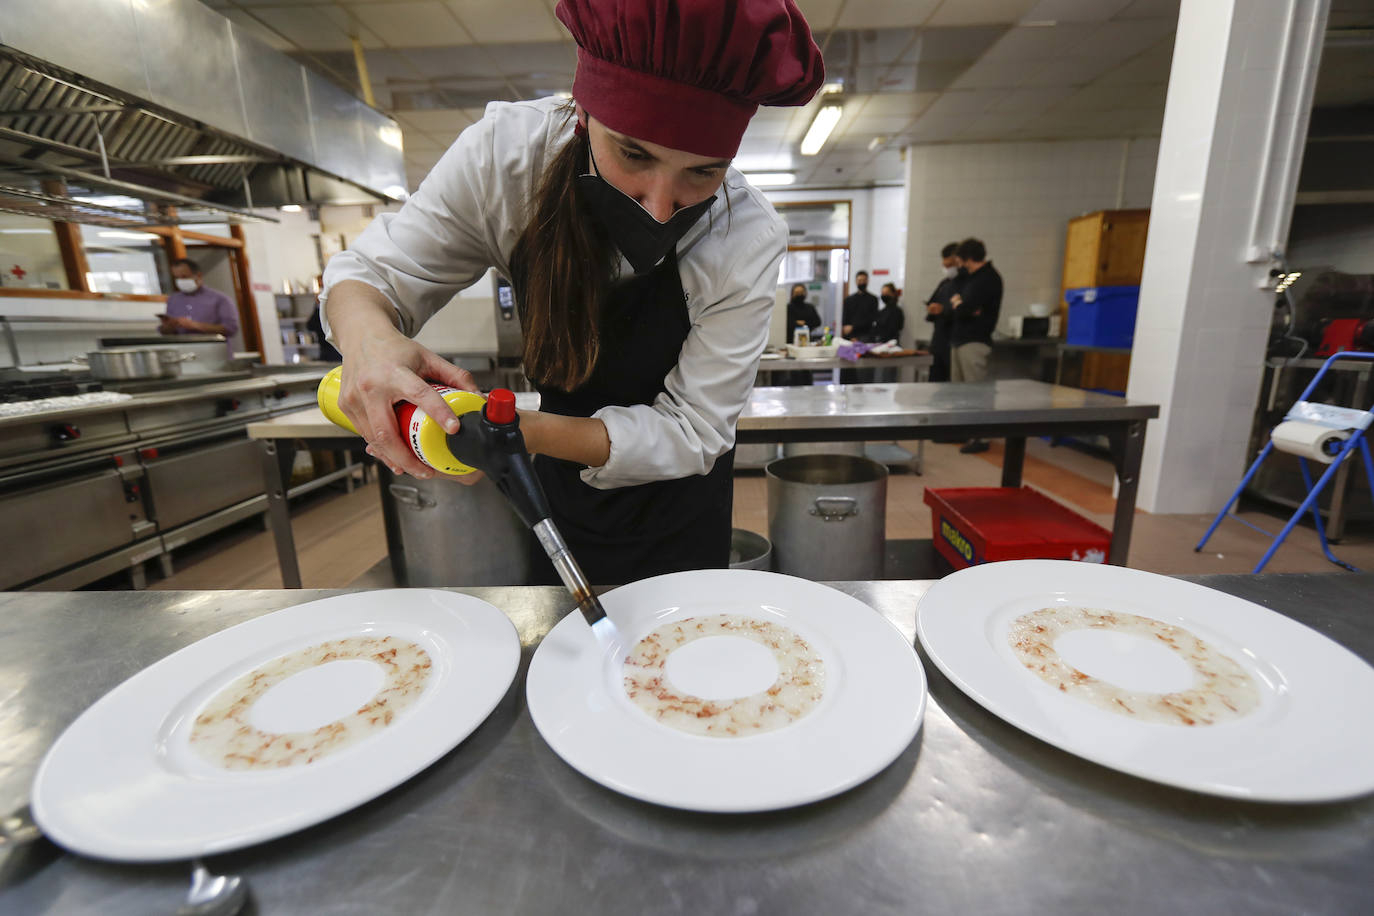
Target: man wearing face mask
(196, 308)
(890, 319)
(941, 314)
(800, 313)
(860, 310)
(644, 267)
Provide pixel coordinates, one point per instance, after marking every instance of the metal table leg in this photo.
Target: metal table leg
(1013, 461)
(277, 455)
(1335, 526)
(1128, 450)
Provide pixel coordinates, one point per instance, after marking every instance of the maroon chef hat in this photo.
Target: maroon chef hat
(689, 74)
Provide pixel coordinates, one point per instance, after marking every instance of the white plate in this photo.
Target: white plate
(123, 783)
(1311, 738)
(871, 708)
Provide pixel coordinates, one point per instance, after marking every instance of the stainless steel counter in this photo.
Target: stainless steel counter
(1009, 410)
(974, 817)
(173, 395)
(914, 368)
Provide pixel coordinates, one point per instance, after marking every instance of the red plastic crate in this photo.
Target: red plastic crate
(975, 525)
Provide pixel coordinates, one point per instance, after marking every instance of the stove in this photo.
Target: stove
(17, 386)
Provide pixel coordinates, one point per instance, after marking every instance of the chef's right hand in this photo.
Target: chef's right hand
(379, 371)
(934, 308)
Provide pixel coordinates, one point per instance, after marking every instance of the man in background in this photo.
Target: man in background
(196, 308)
(858, 317)
(890, 319)
(860, 310)
(801, 313)
(977, 303)
(941, 314)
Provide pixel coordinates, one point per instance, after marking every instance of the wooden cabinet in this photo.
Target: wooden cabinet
(1106, 248)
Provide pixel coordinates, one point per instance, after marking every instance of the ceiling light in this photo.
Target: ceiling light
(290, 208)
(26, 231)
(875, 143)
(563, 94)
(762, 179)
(830, 88)
(821, 126)
(395, 192)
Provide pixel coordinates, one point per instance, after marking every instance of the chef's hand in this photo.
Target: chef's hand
(934, 308)
(956, 300)
(382, 368)
(171, 324)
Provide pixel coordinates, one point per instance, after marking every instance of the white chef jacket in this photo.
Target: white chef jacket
(468, 214)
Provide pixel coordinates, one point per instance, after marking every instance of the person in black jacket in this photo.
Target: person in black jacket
(860, 310)
(800, 313)
(857, 319)
(977, 303)
(890, 319)
(941, 314)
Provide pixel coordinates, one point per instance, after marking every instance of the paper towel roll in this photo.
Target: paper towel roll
(1320, 443)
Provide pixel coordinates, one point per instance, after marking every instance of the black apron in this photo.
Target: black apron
(630, 533)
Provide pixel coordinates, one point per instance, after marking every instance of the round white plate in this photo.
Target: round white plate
(1311, 738)
(123, 783)
(871, 708)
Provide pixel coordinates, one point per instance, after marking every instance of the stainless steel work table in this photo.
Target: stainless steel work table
(914, 368)
(1009, 409)
(974, 817)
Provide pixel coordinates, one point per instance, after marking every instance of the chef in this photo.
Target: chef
(643, 264)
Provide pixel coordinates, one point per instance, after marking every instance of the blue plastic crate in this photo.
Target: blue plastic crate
(1102, 316)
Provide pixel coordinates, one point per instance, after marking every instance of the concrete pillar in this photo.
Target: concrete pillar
(1234, 124)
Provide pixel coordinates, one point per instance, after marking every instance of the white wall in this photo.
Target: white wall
(31, 245)
(1018, 198)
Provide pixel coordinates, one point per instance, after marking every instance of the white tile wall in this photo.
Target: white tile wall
(1200, 297)
(1018, 198)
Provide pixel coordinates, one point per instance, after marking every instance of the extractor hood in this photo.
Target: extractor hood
(168, 104)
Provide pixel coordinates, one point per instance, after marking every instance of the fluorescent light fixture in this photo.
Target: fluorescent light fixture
(563, 94)
(395, 192)
(26, 231)
(290, 208)
(111, 200)
(830, 88)
(133, 236)
(820, 128)
(875, 143)
(763, 179)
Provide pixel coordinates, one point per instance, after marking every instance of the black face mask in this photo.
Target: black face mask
(890, 300)
(863, 287)
(798, 299)
(643, 240)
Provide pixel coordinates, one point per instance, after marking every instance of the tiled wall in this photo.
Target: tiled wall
(1017, 198)
(1203, 317)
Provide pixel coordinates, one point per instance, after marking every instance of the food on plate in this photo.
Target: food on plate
(798, 688)
(224, 736)
(1221, 690)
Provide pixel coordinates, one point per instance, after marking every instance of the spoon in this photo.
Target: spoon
(213, 895)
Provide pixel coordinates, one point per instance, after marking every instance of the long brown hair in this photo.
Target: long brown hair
(566, 262)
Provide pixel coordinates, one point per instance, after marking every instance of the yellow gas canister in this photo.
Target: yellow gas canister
(426, 438)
